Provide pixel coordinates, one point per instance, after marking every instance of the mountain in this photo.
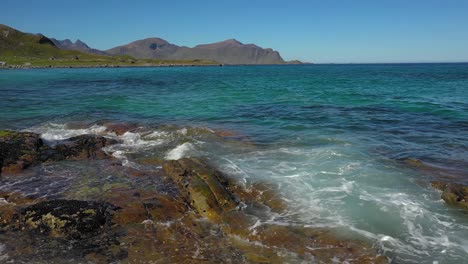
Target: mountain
(78, 45)
(154, 48)
(20, 49)
(14, 42)
(228, 52)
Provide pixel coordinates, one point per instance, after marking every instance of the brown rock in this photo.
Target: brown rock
(204, 188)
(453, 194)
(120, 128)
(79, 148)
(19, 150)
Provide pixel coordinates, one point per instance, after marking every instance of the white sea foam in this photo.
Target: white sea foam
(53, 131)
(3, 257)
(338, 187)
(180, 151)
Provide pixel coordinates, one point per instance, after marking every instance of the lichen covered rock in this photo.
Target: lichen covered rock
(71, 219)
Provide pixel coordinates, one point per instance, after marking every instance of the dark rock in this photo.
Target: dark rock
(79, 148)
(19, 150)
(453, 194)
(58, 231)
(71, 219)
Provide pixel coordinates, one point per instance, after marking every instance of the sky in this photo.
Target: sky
(326, 31)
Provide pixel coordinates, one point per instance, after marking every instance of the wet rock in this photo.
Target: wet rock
(79, 148)
(453, 194)
(317, 245)
(19, 150)
(204, 188)
(71, 219)
(120, 128)
(137, 206)
(10, 203)
(59, 231)
(261, 194)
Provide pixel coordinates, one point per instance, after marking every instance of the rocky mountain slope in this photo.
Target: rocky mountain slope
(228, 52)
(77, 45)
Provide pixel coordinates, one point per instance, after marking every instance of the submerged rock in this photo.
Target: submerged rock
(453, 194)
(19, 150)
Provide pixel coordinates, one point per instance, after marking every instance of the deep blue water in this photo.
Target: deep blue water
(332, 137)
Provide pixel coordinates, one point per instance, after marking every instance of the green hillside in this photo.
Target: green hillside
(20, 49)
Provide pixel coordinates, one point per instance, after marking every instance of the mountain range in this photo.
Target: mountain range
(77, 45)
(231, 51)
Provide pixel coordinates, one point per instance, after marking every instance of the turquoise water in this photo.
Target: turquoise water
(332, 138)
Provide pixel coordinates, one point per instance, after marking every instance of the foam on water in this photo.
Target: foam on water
(3, 256)
(336, 186)
(340, 187)
(53, 131)
(180, 151)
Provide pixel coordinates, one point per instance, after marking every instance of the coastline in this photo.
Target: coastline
(356, 158)
(211, 211)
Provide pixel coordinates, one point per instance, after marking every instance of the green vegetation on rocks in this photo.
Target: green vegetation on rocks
(18, 49)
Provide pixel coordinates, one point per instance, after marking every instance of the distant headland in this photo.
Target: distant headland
(26, 50)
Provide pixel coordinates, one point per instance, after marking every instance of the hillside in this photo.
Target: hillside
(36, 50)
(228, 52)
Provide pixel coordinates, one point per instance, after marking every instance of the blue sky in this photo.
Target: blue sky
(337, 31)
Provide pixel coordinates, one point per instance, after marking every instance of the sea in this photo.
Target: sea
(353, 148)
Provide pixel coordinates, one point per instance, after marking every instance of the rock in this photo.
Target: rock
(71, 219)
(261, 194)
(140, 205)
(10, 203)
(19, 150)
(58, 231)
(120, 128)
(79, 148)
(453, 194)
(204, 188)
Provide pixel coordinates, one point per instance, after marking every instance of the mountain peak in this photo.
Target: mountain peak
(80, 44)
(232, 41)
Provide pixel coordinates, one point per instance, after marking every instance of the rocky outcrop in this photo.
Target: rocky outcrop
(79, 148)
(205, 189)
(212, 195)
(453, 194)
(20, 150)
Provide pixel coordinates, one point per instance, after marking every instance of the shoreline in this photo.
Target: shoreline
(206, 209)
(21, 67)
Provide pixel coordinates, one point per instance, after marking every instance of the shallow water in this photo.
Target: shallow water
(332, 138)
